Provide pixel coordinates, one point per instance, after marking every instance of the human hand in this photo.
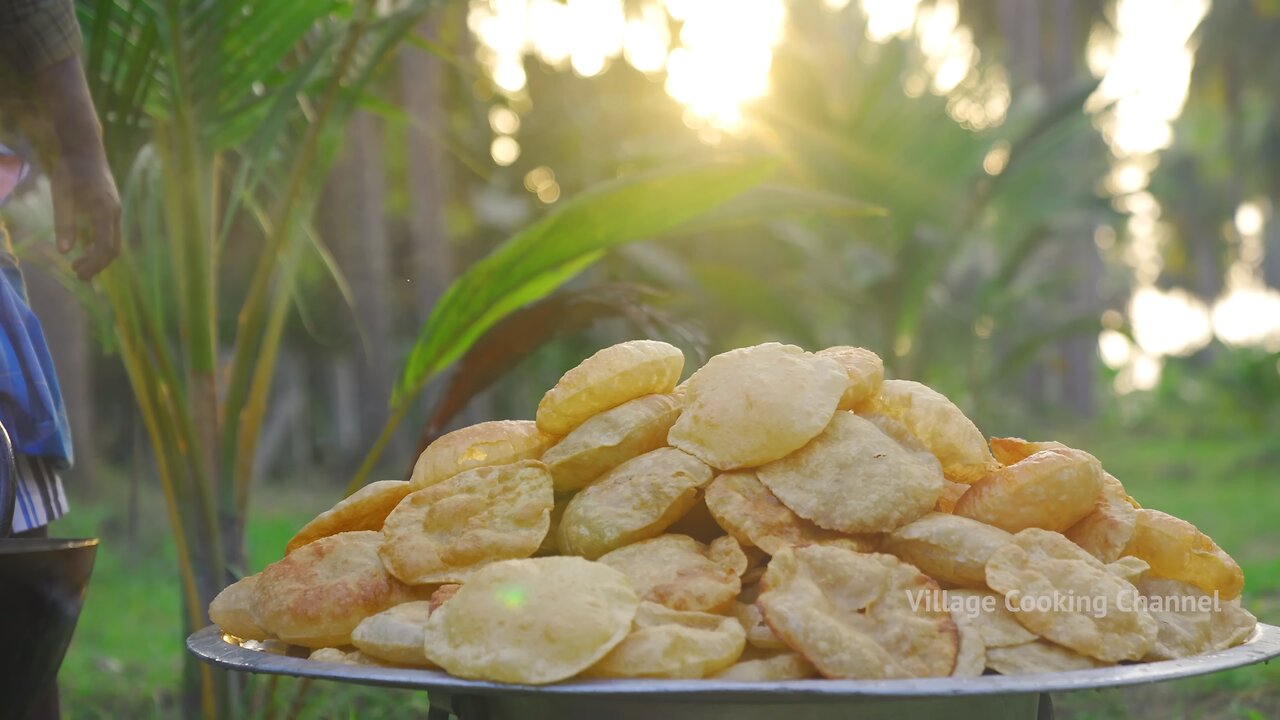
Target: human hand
(86, 203)
(85, 196)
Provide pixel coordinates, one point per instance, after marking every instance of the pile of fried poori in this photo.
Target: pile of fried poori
(779, 515)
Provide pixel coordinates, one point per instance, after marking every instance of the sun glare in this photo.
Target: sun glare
(976, 99)
(714, 57)
(1144, 59)
(887, 19)
(718, 61)
(1169, 323)
(726, 50)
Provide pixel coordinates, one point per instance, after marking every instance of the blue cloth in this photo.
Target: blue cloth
(30, 400)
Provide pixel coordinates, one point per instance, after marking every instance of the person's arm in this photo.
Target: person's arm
(84, 192)
(41, 46)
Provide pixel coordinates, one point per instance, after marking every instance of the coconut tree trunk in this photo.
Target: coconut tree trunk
(1078, 352)
(424, 88)
(1020, 30)
(1271, 256)
(430, 257)
(358, 233)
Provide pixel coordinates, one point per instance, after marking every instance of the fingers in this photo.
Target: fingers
(104, 245)
(64, 209)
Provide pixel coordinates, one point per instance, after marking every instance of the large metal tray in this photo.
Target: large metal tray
(990, 696)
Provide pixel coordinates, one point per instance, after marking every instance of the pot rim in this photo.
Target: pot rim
(27, 546)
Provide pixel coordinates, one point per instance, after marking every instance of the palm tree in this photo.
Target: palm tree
(218, 117)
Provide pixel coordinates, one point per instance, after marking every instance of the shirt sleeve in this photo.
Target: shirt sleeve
(35, 34)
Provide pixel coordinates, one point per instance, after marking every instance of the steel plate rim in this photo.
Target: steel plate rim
(209, 645)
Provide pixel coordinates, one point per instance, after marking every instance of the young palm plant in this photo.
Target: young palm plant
(221, 118)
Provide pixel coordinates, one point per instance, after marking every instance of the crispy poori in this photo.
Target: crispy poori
(780, 515)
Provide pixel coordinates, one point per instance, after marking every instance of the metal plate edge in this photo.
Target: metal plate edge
(211, 646)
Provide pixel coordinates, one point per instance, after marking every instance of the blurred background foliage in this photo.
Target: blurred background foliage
(1062, 213)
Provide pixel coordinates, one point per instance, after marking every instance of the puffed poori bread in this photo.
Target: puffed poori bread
(851, 614)
(753, 405)
(635, 501)
(678, 572)
(317, 594)
(991, 617)
(865, 370)
(1176, 549)
(365, 509)
(1039, 656)
(774, 666)
(1051, 489)
(1109, 528)
(607, 379)
(497, 442)
(748, 511)
(854, 478)
(759, 634)
(947, 548)
(971, 654)
(345, 657)
(939, 424)
(395, 635)
(534, 621)
(232, 610)
(666, 643)
(1190, 621)
(444, 532)
(1103, 618)
(609, 439)
(951, 492)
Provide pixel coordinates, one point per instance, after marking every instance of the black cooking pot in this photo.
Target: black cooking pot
(42, 587)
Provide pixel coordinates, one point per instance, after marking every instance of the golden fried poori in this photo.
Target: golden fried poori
(635, 501)
(940, 425)
(1038, 656)
(779, 515)
(948, 548)
(677, 644)
(497, 442)
(851, 615)
(1051, 489)
(772, 667)
(753, 405)
(1040, 570)
(607, 379)
(444, 532)
(1176, 549)
(678, 572)
(395, 635)
(320, 592)
(609, 439)
(232, 610)
(533, 621)
(865, 370)
(853, 478)
(365, 509)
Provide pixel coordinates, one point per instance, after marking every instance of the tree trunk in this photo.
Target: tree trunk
(431, 263)
(358, 234)
(1078, 352)
(1271, 247)
(431, 259)
(1019, 28)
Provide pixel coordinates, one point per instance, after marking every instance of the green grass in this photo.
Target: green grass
(126, 658)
